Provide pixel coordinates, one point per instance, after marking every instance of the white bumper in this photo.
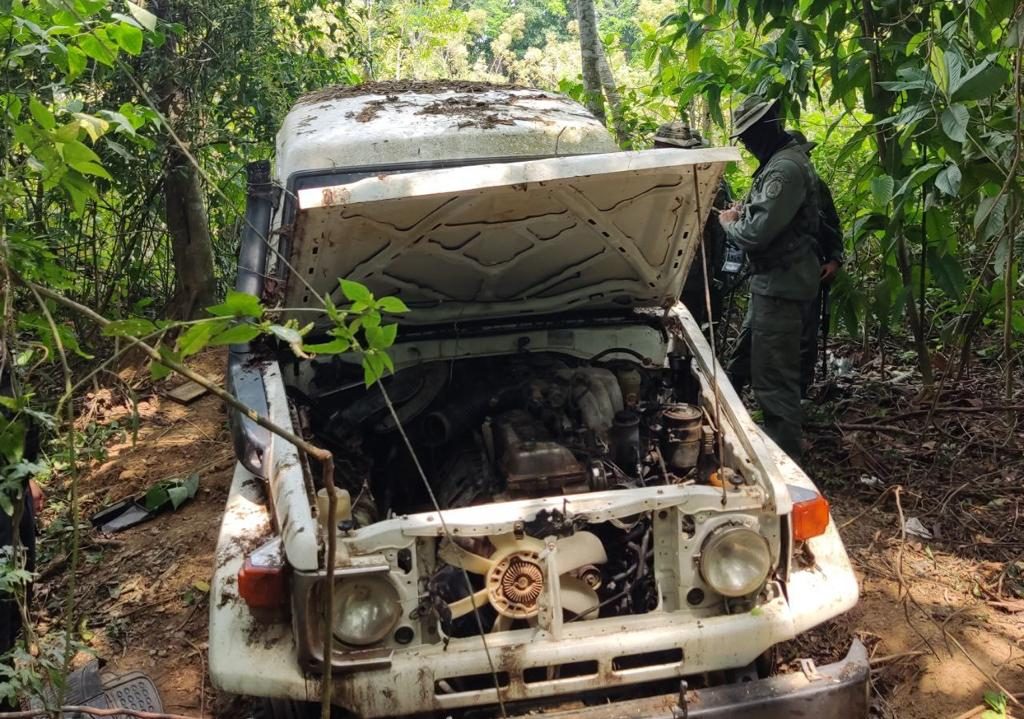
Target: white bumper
(255, 659)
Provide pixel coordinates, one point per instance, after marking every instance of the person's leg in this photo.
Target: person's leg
(811, 321)
(10, 612)
(739, 358)
(775, 368)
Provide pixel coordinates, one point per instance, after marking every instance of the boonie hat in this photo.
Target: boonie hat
(679, 134)
(752, 109)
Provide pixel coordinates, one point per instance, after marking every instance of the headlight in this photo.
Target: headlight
(365, 610)
(735, 561)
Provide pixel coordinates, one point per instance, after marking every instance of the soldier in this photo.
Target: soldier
(830, 255)
(775, 226)
(679, 135)
(24, 530)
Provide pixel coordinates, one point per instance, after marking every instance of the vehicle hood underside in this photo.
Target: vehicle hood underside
(511, 239)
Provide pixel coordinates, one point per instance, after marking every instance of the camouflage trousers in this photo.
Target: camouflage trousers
(767, 355)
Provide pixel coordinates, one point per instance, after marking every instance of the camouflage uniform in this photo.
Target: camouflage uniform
(830, 249)
(776, 230)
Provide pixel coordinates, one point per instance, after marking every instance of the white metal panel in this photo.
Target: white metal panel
(509, 239)
(336, 128)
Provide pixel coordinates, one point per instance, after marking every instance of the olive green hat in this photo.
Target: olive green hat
(752, 109)
(679, 134)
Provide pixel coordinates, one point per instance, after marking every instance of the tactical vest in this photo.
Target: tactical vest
(802, 231)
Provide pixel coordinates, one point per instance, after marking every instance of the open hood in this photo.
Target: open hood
(511, 239)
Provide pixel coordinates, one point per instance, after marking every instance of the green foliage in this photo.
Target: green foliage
(933, 140)
(997, 704)
(171, 493)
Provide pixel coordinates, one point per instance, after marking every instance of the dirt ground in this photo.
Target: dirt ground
(942, 617)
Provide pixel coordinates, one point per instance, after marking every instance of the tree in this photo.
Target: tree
(598, 83)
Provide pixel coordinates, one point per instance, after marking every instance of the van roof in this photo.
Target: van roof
(416, 122)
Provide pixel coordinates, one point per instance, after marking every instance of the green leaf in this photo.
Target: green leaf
(286, 334)
(198, 336)
(881, 190)
(391, 304)
(948, 180)
(238, 304)
(92, 46)
(381, 337)
(948, 273)
(954, 122)
(939, 69)
(980, 81)
(355, 292)
(145, 17)
(181, 491)
(12, 440)
(91, 168)
(128, 37)
(74, 151)
(137, 327)
(990, 217)
(41, 114)
(237, 335)
(335, 346)
(96, 127)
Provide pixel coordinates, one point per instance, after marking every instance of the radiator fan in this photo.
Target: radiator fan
(514, 577)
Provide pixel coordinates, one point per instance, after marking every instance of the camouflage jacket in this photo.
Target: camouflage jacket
(779, 224)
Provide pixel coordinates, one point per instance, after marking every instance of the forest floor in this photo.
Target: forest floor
(943, 617)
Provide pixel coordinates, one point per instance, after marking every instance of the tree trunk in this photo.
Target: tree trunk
(610, 91)
(590, 51)
(195, 287)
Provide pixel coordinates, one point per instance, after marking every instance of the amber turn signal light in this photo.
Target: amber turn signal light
(262, 587)
(263, 578)
(809, 518)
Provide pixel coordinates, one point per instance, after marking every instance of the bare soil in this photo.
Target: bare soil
(943, 617)
(143, 592)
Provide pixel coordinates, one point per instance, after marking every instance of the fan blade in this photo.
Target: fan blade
(579, 550)
(456, 556)
(465, 605)
(502, 624)
(578, 598)
(507, 543)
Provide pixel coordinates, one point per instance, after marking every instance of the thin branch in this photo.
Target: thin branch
(322, 455)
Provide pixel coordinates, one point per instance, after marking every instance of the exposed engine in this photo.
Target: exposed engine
(505, 428)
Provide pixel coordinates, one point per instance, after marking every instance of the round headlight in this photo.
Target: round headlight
(735, 561)
(365, 610)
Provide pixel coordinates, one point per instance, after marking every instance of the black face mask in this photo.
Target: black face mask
(764, 138)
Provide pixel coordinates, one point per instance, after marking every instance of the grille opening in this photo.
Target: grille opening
(645, 660)
(558, 672)
(469, 683)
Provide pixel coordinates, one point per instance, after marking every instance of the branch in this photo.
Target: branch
(322, 455)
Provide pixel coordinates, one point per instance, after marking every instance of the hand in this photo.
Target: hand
(829, 270)
(38, 498)
(727, 217)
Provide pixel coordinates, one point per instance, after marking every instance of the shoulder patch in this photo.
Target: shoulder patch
(773, 186)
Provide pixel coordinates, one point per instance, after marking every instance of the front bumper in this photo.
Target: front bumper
(838, 691)
(256, 659)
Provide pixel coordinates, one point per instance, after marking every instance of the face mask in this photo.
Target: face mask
(764, 138)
